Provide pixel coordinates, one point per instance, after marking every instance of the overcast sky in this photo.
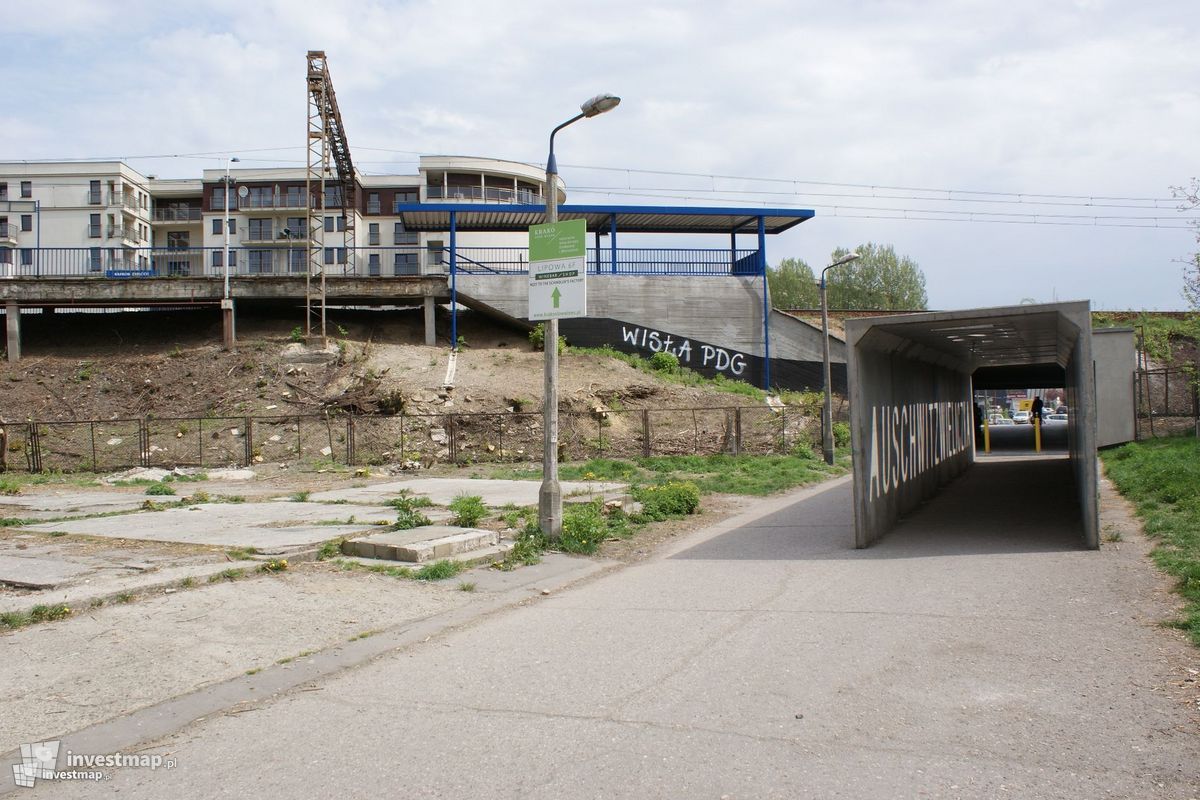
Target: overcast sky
(846, 108)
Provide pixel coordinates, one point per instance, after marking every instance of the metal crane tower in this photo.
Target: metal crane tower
(326, 142)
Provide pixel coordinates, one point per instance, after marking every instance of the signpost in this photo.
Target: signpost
(558, 270)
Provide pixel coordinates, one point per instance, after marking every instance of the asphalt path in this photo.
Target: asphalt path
(975, 652)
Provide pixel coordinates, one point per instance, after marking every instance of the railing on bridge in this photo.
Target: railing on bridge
(291, 257)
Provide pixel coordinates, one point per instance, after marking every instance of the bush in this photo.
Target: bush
(841, 434)
(160, 489)
(669, 500)
(297, 334)
(584, 528)
(468, 510)
(408, 516)
(537, 338)
(664, 362)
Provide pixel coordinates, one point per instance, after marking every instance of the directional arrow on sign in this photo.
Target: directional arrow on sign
(556, 295)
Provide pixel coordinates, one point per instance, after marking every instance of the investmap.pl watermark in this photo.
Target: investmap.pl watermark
(39, 761)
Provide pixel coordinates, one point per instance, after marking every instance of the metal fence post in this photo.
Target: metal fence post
(143, 443)
(3, 446)
(737, 431)
(645, 433)
(453, 438)
(351, 447)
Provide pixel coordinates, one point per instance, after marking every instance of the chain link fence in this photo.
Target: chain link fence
(210, 442)
(1168, 402)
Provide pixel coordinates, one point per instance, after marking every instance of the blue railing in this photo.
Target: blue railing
(289, 257)
(629, 261)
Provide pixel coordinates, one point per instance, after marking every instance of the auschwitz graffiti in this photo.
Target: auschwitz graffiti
(908, 440)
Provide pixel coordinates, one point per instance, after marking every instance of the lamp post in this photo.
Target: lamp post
(550, 495)
(827, 408)
(227, 301)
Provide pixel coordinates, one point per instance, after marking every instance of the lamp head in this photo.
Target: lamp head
(599, 104)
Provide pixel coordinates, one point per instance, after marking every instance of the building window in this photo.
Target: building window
(297, 259)
(373, 203)
(96, 260)
(295, 197)
(26, 189)
(27, 222)
(5, 255)
(437, 252)
(178, 240)
(330, 222)
(26, 256)
(260, 230)
(217, 201)
(259, 261)
(373, 234)
(4, 190)
(94, 193)
(94, 226)
(218, 258)
(297, 228)
(232, 225)
(216, 225)
(333, 197)
(403, 237)
(373, 264)
(335, 255)
(405, 264)
(405, 197)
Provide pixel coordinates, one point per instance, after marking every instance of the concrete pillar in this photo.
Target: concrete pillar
(12, 317)
(430, 331)
(228, 324)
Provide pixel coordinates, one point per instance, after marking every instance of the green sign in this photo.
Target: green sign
(558, 270)
(556, 240)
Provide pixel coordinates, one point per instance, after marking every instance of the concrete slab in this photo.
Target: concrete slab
(38, 573)
(68, 503)
(441, 491)
(260, 525)
(418, 545)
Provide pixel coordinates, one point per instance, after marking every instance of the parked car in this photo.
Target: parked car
(1001, 421)
(1020, 417)
(1056, 418)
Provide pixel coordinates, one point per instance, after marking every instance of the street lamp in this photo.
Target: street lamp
(227, 319)
(827, 409)
(550, 495)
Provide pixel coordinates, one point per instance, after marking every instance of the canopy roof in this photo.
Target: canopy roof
(629, 219)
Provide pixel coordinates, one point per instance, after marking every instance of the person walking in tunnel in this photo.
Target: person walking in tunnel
(1035, 411)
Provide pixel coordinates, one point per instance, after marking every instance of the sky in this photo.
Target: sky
(1015, 151)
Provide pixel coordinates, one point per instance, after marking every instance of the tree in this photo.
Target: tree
(793, 285)
(1189, 199)
(879, 280)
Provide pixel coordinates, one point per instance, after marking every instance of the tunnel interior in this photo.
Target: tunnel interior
(913, 381)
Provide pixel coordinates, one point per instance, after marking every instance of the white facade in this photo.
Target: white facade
(69, 218)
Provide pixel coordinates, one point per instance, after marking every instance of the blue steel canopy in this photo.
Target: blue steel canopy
(498, 217)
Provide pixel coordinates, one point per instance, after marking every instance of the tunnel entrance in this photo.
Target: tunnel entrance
(914, 383)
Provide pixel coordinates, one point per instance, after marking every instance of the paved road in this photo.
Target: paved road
(771, 660)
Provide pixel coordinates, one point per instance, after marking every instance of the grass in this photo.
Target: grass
(124, 597)
(468, 510)
(330, 549)
(231, 574)
(241, 553)
(433, 571)
(299, 497)
(746, 474)
(1162, 480)
(160, 489)
(466, 586)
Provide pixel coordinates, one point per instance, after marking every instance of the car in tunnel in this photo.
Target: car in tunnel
(1020, 417)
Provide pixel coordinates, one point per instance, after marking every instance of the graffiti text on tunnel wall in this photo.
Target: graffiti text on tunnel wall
(908, 440)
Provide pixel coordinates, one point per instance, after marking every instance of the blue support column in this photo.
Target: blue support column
(597, 249)
(612, 240)
(762, 270)
(732, 250)
(453, 280)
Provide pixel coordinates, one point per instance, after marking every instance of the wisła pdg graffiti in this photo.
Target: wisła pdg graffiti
(707, 355)
(908, 440)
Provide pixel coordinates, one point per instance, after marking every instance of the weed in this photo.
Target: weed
(668, 500)
(274, 565)
(841, 434)
(438, 570)
(97, 602)
(124, 597)
(14, 619)
(330, 549)
(407, 514)
(297, 334)
(299, 497)
(198, 497)
(665, 362)
(9, 486)
(43, 613)
(254, 671)
(466, 586)
(187, 583)
(1113, 536)
(241, 553)
(160, 489)
(468, 510)
(231, 574)
(584, 528)
(537, 338)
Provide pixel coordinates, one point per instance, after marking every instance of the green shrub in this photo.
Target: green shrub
(583, 528)
(439, 570)
(160, 489)
(407, 518)
(297, 334)
(664, 362)
(10, 486)
(668, 500)
(468, 510)
(537, 338)
(841, 434)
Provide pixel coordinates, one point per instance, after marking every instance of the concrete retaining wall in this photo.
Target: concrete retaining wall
(1115, 352)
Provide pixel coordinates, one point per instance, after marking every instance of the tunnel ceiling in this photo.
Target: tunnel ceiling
(1036, 337)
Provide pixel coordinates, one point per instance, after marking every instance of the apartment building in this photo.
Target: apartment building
(85, 218)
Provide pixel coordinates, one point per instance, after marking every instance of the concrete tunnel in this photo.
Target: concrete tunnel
(912, 379)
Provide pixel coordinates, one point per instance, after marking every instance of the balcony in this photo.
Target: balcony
(279, 238)
(480, 194)
(8, 234)
(127, 200)
(178, 215)
(126, 233)
(281, 201)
